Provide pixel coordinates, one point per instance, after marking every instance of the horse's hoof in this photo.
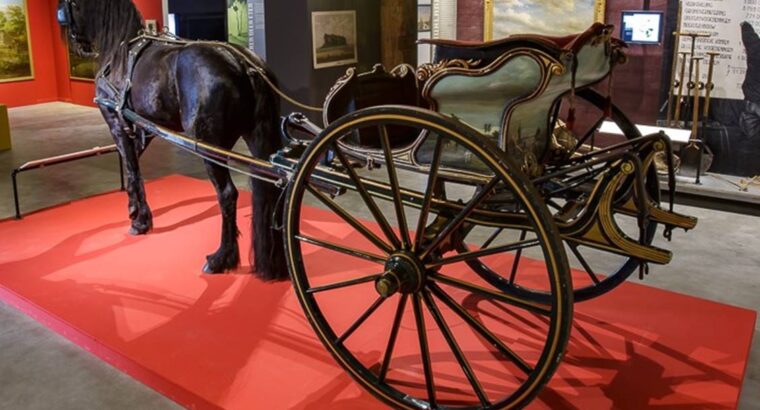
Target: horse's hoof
(207, 269)
(140, 229)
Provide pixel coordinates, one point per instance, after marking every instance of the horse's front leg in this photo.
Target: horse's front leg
(130, 150)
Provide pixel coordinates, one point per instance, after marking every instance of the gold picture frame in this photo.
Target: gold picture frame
(78, 66)
(4, 6)
(490, 31)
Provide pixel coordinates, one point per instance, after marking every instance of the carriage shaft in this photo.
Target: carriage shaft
(256, 168)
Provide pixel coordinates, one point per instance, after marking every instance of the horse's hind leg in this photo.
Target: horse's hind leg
(227, 256)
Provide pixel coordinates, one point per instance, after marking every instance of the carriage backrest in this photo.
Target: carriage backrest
(354, 91)
(508, 89)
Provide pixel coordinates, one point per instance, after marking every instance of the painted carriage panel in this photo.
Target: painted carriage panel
(481, 99)
(528, 124)
(511, 100)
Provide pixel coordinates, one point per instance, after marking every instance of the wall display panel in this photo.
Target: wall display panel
(15, 47)
(732, 129)
(237, 22)
(424, 31)
(553, 18)
(334, 38)
(424, 18)
(723, 20)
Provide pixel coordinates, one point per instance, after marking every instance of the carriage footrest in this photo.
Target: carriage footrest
(657, 214)
(609, 238)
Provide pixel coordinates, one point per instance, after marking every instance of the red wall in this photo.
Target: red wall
(51, 69)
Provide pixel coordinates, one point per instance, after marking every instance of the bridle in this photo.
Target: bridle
(65, 17)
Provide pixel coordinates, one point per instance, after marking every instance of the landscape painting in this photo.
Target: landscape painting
(15, 48)
(550, 17)
(334, 38)
(424, 18)
(82, 68)
(237, 22)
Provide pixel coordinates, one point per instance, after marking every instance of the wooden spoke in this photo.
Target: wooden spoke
(371, 205)
(424, 350)
(342, 249)
(431, 184)
(345, 284)
(516, 261)
(590, 133)
(492, 238)
(367, 313)
(582, 260)
(392, 339)
(393, 179)
(493, 295)
(466, 256)
(480, 329)
(454, 346)
(350, 219)
(459, 219)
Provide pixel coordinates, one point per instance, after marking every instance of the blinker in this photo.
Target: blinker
(63, 14)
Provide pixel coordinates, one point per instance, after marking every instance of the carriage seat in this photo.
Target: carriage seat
(488, 51)
(354, 91)
(508, 89)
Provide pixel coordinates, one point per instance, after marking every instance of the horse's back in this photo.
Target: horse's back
(199, 88)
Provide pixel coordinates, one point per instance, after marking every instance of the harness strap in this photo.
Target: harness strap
(143, 39)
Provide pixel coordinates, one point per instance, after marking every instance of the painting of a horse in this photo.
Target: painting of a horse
(201, 89)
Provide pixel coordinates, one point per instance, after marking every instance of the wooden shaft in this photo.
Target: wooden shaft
(679, 100)
(710, 85)
(674, 68)
(673, 82)
(693, 54)
(695, 117)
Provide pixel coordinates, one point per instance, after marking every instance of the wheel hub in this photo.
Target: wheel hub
(403, 273)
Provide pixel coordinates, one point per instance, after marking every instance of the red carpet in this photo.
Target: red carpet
(142, 305)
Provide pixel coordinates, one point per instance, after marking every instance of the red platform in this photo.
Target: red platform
(233, 341)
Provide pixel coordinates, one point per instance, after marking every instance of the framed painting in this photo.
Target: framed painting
(334, 38)
(237, 22)
(552, 18)
(82, 68)
(15, 47)
(424, 18)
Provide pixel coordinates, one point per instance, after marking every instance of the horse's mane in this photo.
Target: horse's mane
(111, 23)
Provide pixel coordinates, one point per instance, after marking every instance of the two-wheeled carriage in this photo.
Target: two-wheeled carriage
(460, 293)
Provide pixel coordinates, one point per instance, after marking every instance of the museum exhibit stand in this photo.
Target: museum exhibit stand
(447, 203)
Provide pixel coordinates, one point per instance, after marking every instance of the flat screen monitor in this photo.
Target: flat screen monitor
(642, 27)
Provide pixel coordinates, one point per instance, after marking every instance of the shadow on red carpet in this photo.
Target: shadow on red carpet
(232, 341)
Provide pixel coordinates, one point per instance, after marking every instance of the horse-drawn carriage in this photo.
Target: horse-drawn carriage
(476, 181)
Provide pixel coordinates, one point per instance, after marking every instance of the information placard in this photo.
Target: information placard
(722, 20)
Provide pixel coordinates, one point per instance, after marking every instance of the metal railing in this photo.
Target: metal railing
(62, 159)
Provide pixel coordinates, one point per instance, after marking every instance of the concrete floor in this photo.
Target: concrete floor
(719, 261)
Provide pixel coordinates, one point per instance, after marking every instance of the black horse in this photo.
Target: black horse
(202, 89)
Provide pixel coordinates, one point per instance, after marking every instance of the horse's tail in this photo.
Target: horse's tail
(268, 250)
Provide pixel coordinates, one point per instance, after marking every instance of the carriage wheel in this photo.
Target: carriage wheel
(596, 272)
(404, 317)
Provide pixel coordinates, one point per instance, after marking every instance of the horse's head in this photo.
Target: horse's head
(73, 16)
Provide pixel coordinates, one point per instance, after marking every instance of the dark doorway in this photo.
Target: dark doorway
(200, 20)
